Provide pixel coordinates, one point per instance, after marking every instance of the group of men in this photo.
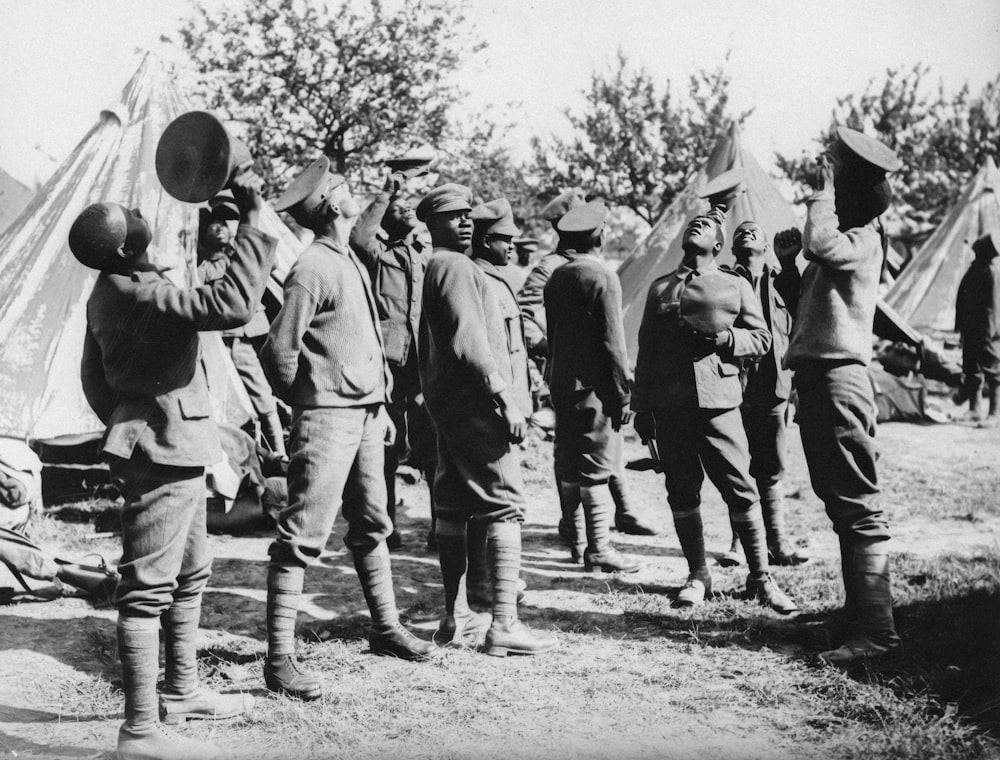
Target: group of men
(373, 327)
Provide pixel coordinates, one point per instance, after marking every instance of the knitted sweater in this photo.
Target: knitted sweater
(325, 347)
(839, 289)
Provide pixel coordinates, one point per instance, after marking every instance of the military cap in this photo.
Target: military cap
(588, 218)
(310, 188)
(987, 243)
(447, 197)
(495, 217)
(710, 302)
(526, 244)
(223, 207)
(724, 187)
(413, 163)
(559, 205)
(867, 159)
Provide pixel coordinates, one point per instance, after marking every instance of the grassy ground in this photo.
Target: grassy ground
(632, 678)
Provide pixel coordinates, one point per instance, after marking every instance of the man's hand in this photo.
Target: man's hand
(826, 168)
(621, 418)
(645, 426)
(390, 428)
(394, 184)
(246, 187)
(713, 343)
(517, 426)
(787, 244)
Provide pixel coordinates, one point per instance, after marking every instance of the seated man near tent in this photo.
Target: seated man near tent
(829, 350)
(977, 321)
(143, 378)
(214, 249)
(699, 323)
(325, 358)
(588, 375)
(766, 387)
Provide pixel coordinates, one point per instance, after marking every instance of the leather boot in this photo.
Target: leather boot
(692, 540)
(625, 521)
(460, 626)
(387, 637)
(778, 553)
(600, 554)
(274, 435)
(142, 736)
(572, 527)
(871, 629)
(282, 673)
(766, 592)
(507, 634)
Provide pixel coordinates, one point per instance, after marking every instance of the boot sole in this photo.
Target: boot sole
(609, 569)
(174, 719)
(310, 695)
(407, 656)
(495, 651)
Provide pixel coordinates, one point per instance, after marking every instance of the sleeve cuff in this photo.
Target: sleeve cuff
(494, 384)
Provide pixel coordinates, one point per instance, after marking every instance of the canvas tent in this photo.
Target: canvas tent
(660, 252)
(44, 290)
(13, 198)
(924, 293)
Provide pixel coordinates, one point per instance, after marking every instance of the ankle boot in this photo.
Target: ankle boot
(625, 521)
(778, 552)
(141, 736)
(388, 636)
(460, 626)
(765, 591)
(282, 673)
(597, 508)
(274, 436)
(203, 704)
(507, 634)
(478, 589)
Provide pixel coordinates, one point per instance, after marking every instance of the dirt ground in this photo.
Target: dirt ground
(632, 678)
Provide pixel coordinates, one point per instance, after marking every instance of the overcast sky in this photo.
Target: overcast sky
(65, 60)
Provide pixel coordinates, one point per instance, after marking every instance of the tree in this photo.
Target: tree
(941, 139)
(635, 144)
(353, 81)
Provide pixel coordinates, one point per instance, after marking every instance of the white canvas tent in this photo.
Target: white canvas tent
(924, 293)
(44, 290)
(660, 252)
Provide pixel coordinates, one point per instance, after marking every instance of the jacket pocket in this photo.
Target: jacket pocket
(728, 369)
(195, 407)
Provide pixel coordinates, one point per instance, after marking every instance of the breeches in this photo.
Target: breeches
(337, 457)
(587, 449)
(478, 471)
(165, 553)
(837, 422)
(697, 442)
(766, 428)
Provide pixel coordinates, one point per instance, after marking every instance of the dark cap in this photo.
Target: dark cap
(988, 243)
(308, 190)
(586, 219)
(710, 302)
(413, 163)
(447, 197)
(559, 205)
(865, 160)
(495, 217)
(526, 244)
(726, 186)
(222, 207)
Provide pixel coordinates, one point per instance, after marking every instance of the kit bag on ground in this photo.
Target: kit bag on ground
(24, 558)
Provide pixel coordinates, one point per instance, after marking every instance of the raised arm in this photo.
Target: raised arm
(364, 235)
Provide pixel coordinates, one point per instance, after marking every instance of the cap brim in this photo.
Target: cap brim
(729, 182)
(869, 150)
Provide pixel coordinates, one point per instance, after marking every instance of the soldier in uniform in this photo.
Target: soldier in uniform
(588, 376)
(766, 387)
(531, 301)
(325, 358)
(474, 374)
(830, 347)
(395, 263)
(516, 272)
(214, 250)
(698, 325)
(144, 379)
(977, 321)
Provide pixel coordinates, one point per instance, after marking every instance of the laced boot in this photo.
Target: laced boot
(282, 673)
(142, 736)
(698, 586)
(625, 521)
(600, 554)
(507, 634)
(460, 626)
(181, 698)
(763, 588)
(760, 585)
(388, 637)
